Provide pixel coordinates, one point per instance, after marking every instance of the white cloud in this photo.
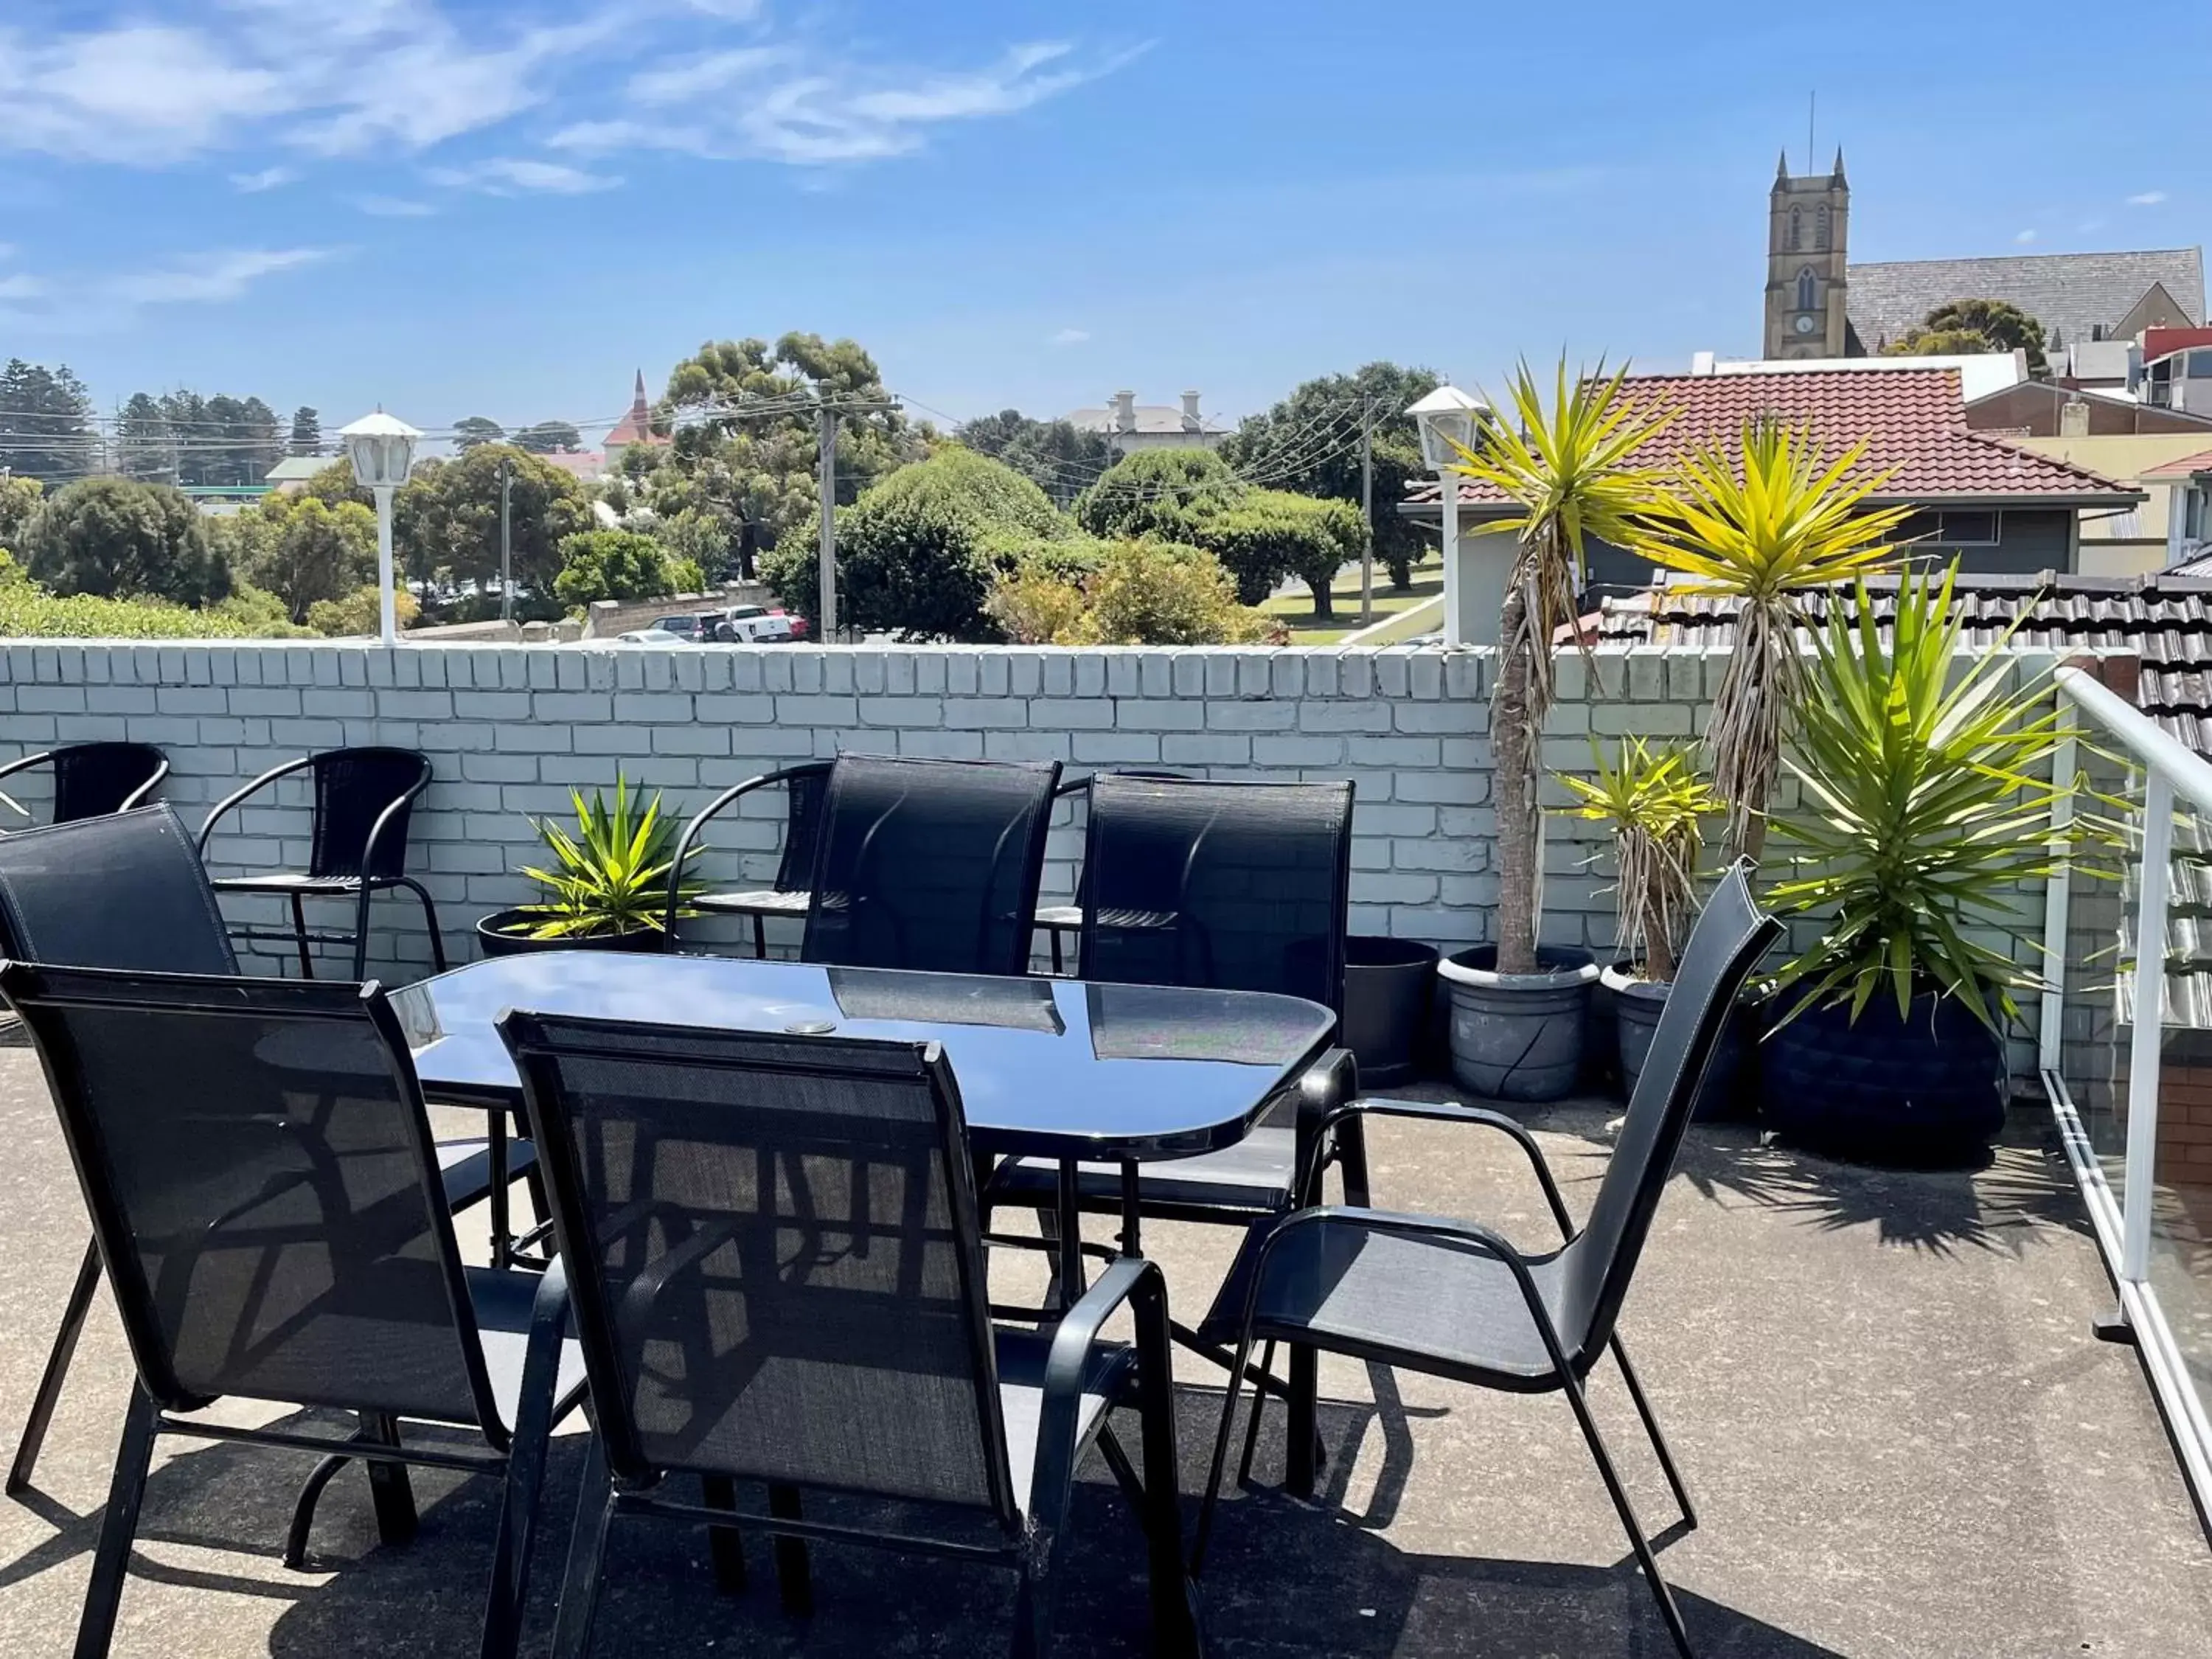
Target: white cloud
(2147, 199)
(513, 176)
(2024, 237)
(209, 279)
(1068, 337)
(392, 207)
(21, 288)
(252, 184)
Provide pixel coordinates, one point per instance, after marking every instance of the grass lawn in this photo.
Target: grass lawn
(1296, 609)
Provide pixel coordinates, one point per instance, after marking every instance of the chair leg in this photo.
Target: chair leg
(111, 1560)
(759, 937)
(1259, 1405)
(58, 1364)
(587, 1549)
(724, 1544)
(1220, 1453)
(300, 938)
(1175, 1612)
(390, 1493)
(1571, 1386)
(793, 1576)
(528, 1450)
(1301, 1453)
(361, 932)
(303, 1509)
(1658, 1441)
(430, 916)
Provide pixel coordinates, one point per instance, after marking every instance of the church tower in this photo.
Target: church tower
(1807, 218)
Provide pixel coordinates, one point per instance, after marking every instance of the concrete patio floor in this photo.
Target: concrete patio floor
(1882, 1389)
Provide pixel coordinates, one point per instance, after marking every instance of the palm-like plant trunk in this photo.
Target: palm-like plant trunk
(1514, 746)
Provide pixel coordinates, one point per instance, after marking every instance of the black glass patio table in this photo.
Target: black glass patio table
(1047, 1067)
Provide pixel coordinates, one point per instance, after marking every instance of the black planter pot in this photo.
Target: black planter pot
(1519, 1037)
(1387, 985)
(491, 941)
(1926, 1089)
(1637, 1006)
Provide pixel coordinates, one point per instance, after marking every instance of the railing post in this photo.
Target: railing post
(2057, 897)
(2143, 1052)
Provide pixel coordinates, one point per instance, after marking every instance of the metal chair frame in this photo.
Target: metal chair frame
(60, 759)
(786, 866)
(1051, 920)
(360, 887)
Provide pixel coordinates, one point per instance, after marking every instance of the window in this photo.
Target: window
(2200, 364)
(1821, 229)
(1797, 228)
(2195, 510)
(1809, 290)
(1954, 527)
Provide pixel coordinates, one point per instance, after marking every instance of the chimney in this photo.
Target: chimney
(1191, 422)
(2074, 418)
(1125, 411)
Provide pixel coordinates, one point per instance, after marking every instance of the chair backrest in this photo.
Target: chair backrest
(774, 1256)
(93, 779)
(1081, 786)
(1732, 932)
(354, 789)
(1231, 886)
(929, 865)
(124, 891)
(803, 789)
(263, 1187)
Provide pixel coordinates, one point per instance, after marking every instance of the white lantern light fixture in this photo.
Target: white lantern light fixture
(1448, 419)
(382, 451)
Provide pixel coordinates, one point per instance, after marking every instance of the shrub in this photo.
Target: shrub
(1159, 492)
(1036, 605)
(616, 564)
(27, 611)
(357, 613)
(120, 538)
(1142, 593)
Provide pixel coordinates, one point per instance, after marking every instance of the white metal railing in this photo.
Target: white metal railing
(2123, 1224)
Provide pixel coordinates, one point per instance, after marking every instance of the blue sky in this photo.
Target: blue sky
(486, 207)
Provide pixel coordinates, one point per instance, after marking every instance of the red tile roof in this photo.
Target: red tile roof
(1913, 422)
(2187, 467)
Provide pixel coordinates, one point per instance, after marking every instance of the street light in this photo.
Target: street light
(381, 449)
(1448, 416)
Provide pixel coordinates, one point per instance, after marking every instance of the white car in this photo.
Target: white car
(656, 636)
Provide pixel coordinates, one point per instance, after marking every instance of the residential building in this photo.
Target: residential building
(1995, 507)
(289, 476)
(2179, 379)
(1130, 426)
(2187, 485)
(1980, 374)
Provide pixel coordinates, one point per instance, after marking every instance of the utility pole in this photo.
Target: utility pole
(827, 417)
(506, 545)
(1367, 512)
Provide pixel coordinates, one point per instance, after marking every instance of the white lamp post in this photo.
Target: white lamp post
(1448, 416)
(381, 449)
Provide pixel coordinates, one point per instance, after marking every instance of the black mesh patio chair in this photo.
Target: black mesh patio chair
(788, 894)
(778, 1277)
(1230, 887)
(1454, 1298)
(92, 779)
(127, 892)
(358, 846)
(267, 1202)
(929, 865)
(1060, 922)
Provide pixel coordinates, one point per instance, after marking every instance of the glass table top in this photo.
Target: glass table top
(1044, 1064)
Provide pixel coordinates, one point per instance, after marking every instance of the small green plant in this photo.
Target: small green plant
(1656, 804)
(612, 875)
(1927, 803)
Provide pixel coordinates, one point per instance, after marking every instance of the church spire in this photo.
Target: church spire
(1782, 167)
(1836, 177)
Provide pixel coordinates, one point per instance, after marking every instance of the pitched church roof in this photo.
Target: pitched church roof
(2076, 295)
(636, 427)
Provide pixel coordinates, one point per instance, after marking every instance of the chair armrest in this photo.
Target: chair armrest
(231, 800)
(23, 763)
(1129, 1279)
(1329, 1084)
(138, 797)
(398, 803)
(698, 822)
(1480, 1117)
(645, 1289)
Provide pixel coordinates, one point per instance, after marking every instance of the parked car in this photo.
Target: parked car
(696, 626)
(654, 636)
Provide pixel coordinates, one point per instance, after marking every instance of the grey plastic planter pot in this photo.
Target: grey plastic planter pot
(1388, 983)
(1519, 1037)
(1637, 1006)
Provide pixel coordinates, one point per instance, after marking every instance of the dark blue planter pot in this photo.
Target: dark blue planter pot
(1929, 1089)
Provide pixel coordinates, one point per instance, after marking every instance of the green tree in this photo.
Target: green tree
(145, 447)
(476, 430)
(359, 612)
(549, 438)
(123, 539)
(1270, 534)
(307, 432)
(19, 500)
(46, 424)
(1309, 443)
(613, 564)
(1061, 458)
(446, 520)
(919, 553)
(1962, 327)
(1159, 492)
(301, 549)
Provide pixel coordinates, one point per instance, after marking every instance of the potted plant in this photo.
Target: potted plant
(1923, 814)
(1656, 804)
(608, 888)
(1519, 1012)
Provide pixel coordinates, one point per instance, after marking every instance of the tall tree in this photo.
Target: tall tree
(473, 429)
(123, 539)
(1961, 327)
(301, 549)
(447, 522)
(1061, 457)
(145, 447)
(46, 424)
(19, 500)
(1309, 443)
(307, 432)
(549, 438)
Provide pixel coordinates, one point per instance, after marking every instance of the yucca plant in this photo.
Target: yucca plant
(1569, 465)
(1926, 801)
(1760, 528)
(612, 875)
(1656, 804)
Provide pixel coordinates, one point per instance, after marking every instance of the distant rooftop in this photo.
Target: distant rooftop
(2078, 294)
(1980, 373)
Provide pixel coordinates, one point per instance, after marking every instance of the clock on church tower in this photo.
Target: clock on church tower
(1807, 218)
